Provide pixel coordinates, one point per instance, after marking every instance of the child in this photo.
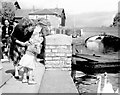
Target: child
(28, 61)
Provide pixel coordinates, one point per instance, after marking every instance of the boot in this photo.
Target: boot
(31, 80)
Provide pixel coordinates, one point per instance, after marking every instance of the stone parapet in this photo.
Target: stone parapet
(58, 52)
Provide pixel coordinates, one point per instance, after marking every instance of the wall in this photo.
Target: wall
(58, 52)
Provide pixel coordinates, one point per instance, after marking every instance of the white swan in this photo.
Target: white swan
(99, 85)
(108, 88)
(117, 91)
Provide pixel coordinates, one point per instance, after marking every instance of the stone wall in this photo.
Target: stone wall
(58, 52)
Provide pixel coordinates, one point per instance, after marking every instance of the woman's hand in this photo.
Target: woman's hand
(23, 43)
(19, 42)
(27, 43)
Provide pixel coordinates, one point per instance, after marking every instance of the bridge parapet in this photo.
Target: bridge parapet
(58, 52)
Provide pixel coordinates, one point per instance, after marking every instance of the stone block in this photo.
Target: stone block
(50, 46)
(50, 54)
(56, 62)
(58, 39)
(54, 50)
(62, 50)
(47, 47)
(68, 61)
(60, 54)
(47, 50)
(62, 47)
(48, 66)
(49, 62)
(66, 69)
(56, 58)
(69, 54)
(48, 58)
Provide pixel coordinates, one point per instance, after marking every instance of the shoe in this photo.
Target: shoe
(32, 82)
(17, 77)
(24, 81)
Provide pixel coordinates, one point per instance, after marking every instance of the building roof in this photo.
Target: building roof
(22, 12)
(42, 12)
(55, 11)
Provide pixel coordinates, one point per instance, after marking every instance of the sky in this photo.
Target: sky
(85, 12)
(73, 6)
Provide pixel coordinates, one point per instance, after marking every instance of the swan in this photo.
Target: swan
(108, 88)
(99, 84)
(117, 91)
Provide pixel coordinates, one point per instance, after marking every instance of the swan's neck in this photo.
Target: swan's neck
(105, 81)
(99, 86)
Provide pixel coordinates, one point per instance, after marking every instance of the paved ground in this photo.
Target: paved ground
(12, 85)
(48, 81)
(57, 81)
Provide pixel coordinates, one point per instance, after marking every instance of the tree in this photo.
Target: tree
(8, 11)
(116, 20)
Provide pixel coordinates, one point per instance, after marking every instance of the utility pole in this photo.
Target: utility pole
(119, 21)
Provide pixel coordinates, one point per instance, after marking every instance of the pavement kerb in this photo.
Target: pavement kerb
(42, 79)
(4, 76)
(42, 70)
(4, 83)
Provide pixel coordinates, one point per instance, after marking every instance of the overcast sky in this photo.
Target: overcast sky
(73, 6)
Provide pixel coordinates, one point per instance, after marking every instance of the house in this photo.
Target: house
(55, 16)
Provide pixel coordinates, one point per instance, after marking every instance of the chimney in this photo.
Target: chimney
(119, 7)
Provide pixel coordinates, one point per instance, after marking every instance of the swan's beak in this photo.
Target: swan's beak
(105, 74)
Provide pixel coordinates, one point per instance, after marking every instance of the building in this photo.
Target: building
(55, 16)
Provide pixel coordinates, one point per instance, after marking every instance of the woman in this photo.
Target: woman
(22, 33)
(7, 29)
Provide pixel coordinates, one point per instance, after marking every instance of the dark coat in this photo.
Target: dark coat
(6, 34)
(17, 50)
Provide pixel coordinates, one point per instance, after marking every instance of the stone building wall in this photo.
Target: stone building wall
(58, 52)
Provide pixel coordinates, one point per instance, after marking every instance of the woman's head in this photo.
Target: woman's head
(6, 22)
(28, 24)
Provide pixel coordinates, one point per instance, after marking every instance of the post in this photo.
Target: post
(119, 36)
(119, 21)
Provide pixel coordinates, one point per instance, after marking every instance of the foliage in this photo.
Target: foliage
(8, 11)
(116, 20)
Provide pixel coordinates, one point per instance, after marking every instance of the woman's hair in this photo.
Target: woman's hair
(5, 20)
(26, 22)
